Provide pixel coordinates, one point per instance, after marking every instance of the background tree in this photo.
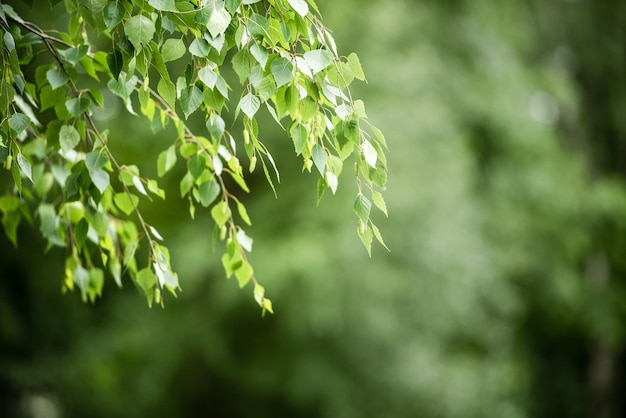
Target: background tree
(503, 294)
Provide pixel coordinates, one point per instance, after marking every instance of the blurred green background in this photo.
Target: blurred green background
(503, 294)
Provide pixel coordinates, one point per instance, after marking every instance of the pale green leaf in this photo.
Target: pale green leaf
(25, 166)
(378, 200)
(362, 207)
(370, 154)
(318, 59)
(320, 156)
(19, 122)
(208, 76)
(355, 66)
(139, 29)
(218, 22)
(300, 6)
(249, 104)
(163, 5)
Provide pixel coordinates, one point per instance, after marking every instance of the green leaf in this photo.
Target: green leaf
(197, 165)
(122, 87)
(190, 99)
(139, 30)
(9, 42)
(243, 213)
(220, 213)
(173, 49)
(355, 66)
(95, 160)
(25, 166)
(166, 161)
(215, 125)
(300, 136)
(282, 70)
(69, 138)
(208, 76)
(126, 202)
(167, 90)
(199, 48)
(370, 154)
(378, 200)
(112, 14)
(19, 122)
(242, 64)
(57, 78)
(146, 280)
(365, 234)
(319, 157)
(73, 55)
(362, 207)
(80, 232)
(260, 54)
(78, 106)
(115, 61)
(299, 6)
(379, 237)
(218, 22)
(100, 178)
(244, 274)
(250, 104)
(163, 5)
(208, 191)
(318, 59)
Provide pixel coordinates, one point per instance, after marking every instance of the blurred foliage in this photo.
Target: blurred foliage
(503, 294)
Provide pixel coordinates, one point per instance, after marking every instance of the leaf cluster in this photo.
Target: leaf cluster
(85, 200)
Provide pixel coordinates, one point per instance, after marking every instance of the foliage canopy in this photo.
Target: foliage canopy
(166, 61)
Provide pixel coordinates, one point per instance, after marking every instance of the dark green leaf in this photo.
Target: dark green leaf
(80, 232)
(115, 62)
